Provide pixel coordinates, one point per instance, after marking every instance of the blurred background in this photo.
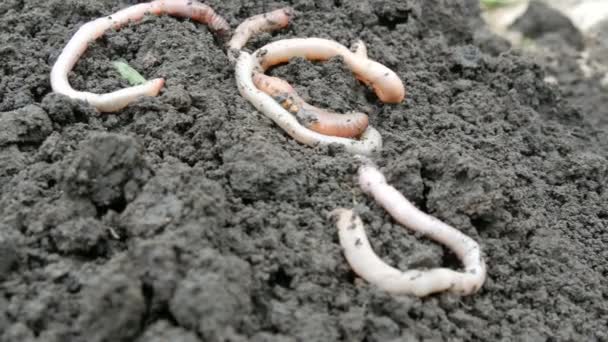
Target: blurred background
(568, 37)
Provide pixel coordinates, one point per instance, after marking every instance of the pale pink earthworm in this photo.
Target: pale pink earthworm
(87, 33)
(359, 48)
(349, 125)
(245, 67)
(384, 81)
(369, 142)
(266, 22)
(353, 239)
(370, 267)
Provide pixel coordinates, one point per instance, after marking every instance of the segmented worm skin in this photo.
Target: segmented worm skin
(350, 125)
(347, 125)
(266, 22)
(386, 84)
(87, 33)
(359, 48)
(246, 65)
(370, 267)
(384, 81)
(353, 239)
(194, 10)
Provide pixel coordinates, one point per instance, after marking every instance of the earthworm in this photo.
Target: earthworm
(384, 81)
(347, 125)
(359, 48)
(266, 22)
(110, 102)
(246, 65)
(370, 267)
(353, 239)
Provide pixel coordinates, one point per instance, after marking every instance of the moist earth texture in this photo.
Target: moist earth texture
(192, 217)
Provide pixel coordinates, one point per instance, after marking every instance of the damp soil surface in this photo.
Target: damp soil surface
(192, 217)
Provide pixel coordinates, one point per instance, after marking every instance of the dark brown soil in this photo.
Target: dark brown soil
(192, 217)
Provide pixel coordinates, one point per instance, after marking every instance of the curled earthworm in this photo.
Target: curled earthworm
(353, 239)
(110, 102)
(347, 125)
(384, 81)
(266, 22)
(369, 142)
(370, 267)
(359, 48)
(350, 125)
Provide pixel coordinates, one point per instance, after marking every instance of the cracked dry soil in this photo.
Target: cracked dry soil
(191, 217)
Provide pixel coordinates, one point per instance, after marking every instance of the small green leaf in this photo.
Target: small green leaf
(128, 73)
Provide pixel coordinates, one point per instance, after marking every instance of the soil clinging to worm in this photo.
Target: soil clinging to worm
(192, 217)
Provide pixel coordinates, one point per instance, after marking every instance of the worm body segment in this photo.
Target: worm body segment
(194, 10)
(266, 22)
(384, 81)
(359, 48)
(350, 125)
(369, 142)
(370, 267)
(278, 101)
(87, 33)
(347, 125)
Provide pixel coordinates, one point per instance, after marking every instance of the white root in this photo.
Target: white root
(370, 267)
(369, 142)
(87, 33)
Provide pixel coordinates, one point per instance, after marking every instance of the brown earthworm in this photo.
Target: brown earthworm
(110, 102)
(347, 125)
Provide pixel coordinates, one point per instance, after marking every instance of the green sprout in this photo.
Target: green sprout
(128, 73)
(497, 3)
